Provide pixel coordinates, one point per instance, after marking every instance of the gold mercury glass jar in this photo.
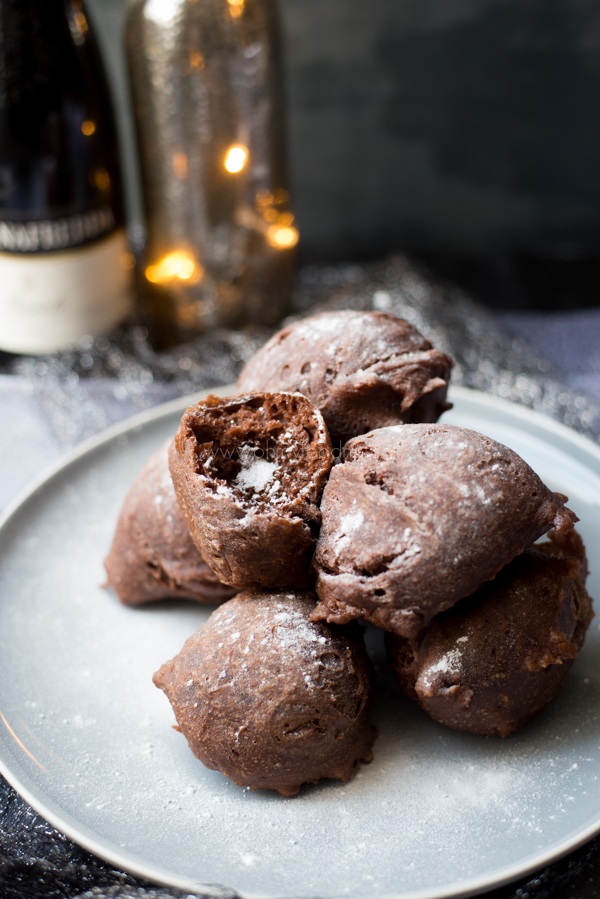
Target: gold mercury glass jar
(205, 80)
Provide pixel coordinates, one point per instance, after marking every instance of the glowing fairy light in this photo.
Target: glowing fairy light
(283, 236)
(160, 11)
(236, 8)
(101, 179)
(196, 60)
(80, 22)
(264, 198)
(236, 158)
(88, 127)
(176, 266)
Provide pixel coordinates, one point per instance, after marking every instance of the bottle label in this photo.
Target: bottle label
(48, 302)
(56, 234)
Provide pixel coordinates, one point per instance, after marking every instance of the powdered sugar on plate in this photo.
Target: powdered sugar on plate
(436, 811)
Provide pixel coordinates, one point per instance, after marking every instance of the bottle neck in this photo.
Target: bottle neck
(33, 36)
(59, 167)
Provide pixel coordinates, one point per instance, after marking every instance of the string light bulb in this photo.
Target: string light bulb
(283, 237)
(101, 179)
(175, 266)
(236, 158)
(236, 8)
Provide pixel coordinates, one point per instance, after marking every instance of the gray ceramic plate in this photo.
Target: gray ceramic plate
(87, 739)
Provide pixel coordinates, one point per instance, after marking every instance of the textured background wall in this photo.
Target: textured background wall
(471, 125)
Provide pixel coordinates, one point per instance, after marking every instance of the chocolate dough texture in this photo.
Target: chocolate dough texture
(249, 472)
(496, 658)
(270, 699)
(419, 516)
(362, 370)
(152, 555)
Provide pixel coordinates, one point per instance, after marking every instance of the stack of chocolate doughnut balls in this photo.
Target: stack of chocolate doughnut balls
(323, 493)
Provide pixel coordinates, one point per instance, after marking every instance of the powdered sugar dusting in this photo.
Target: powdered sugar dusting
(450, 663)
(281, 625)
(255, 472)
(294, 630)
(352, 522)
(348, 525)
(319, 326)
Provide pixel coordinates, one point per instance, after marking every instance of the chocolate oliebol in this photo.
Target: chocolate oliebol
(249, 472)
(270, 699)
(419, 516)
(496, 658)
(362, 370)
(416, 517)
(152, 555)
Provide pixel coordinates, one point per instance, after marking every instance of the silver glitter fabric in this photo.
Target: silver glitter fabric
(111, 377)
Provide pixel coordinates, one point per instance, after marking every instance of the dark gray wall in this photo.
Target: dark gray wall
(466, 124)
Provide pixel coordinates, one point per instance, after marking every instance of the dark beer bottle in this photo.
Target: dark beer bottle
(64, 261)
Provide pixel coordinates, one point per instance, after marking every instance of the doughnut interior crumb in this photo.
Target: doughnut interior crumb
(264, 448)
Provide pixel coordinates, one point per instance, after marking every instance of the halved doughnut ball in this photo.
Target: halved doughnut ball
(249, 472)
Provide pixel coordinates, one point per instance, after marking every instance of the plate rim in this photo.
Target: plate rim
(97, 845)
